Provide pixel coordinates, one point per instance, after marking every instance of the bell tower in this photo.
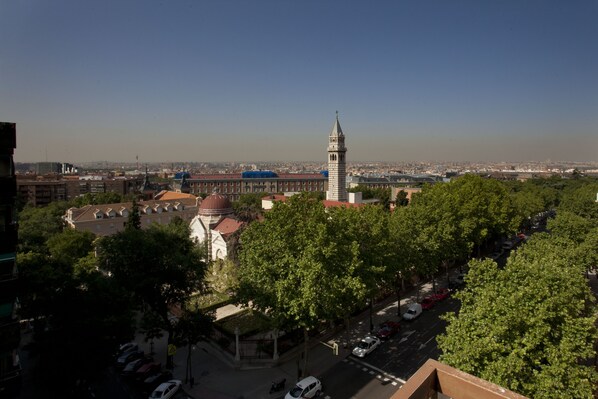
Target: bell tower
(337, 175)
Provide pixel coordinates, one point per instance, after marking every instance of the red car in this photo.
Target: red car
(441, 294)
(388, 329)
(146, 370)
(428, 302)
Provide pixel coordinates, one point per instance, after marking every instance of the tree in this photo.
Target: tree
(134, 220)
(160, 266)
(97, 199)
(528, 202)
(296, 267)
(485, 209)
(570, 226)
(193, 326)
(401, 199)
(249, 207)
(70, 245)
(36, 225)
(222, 275)
(527, 327)
(404, 255)
(581, 200)
(367, 229)
(72, 310)
(436, 221)
(382, 194)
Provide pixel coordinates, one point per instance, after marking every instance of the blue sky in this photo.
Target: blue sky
(261, 80)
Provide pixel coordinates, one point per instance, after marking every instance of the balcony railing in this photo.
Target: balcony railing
(9, 286)
(8, 238)
(10, 335)
(10, 381)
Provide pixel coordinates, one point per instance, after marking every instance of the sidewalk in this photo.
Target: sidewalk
(216, 377)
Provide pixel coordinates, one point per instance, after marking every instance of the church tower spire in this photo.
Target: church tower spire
(337, 175)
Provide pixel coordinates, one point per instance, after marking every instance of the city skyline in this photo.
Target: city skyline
(261, 81)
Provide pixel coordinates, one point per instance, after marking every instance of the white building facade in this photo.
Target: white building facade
(214, 224)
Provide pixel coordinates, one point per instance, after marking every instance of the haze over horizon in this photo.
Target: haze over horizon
(202, 81)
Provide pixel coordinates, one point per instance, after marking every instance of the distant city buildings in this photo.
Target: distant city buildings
(41, 190)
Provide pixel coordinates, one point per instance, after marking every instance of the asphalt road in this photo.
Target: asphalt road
(384, 370)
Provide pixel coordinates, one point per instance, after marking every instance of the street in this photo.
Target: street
(382, 372)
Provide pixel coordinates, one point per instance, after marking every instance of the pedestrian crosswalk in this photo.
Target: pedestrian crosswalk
(371, 370)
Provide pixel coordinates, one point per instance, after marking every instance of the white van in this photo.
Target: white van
(413, 312)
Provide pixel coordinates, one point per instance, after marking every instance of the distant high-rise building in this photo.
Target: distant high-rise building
(337, 170)
(43, 168)
(10, 332)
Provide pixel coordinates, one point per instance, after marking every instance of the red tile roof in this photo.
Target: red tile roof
(275, 197)
(166, 195)
(227, 226)
(234, 176)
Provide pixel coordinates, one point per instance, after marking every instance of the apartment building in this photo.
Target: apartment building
(10, 333)
(41, 190)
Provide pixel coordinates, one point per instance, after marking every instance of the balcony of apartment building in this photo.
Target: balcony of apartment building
(8, 236)
(10, 374)
(435, 380)
(10, 330)
(10, 334)
(9, 285)
(8, 180)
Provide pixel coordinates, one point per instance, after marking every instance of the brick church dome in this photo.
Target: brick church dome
(215, 204)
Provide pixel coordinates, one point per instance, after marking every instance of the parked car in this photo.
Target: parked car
(413, 312)
(146, 370)
(128, 347)
(428, 302)
(507, 245)
(128, 357)
(309, 387)
(366, 345)
(457, 282)
(388, 329)
(522, 236)
(441, 294)
(155, 379)
(132, 367)
(166, 390)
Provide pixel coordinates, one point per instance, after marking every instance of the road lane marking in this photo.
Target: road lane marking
(425, 343)
(395, 378)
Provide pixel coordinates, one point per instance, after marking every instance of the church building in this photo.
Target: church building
(214, 225)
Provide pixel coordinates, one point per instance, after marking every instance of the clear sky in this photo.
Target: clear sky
(239, 80)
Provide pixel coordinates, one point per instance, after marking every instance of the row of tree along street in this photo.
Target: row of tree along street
(303, 265)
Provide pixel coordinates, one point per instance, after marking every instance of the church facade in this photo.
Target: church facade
(214, 225)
